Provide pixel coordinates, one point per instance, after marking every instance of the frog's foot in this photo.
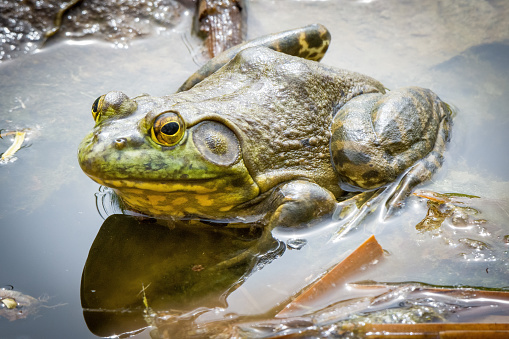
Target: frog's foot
(352, 210)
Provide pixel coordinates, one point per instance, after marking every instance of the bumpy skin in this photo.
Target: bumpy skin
(257, 136)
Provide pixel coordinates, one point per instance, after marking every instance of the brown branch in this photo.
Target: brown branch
(222, 23)
(364, 255)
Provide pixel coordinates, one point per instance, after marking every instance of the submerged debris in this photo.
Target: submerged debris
(19, 137)
(15, 305)
(456, 219)
(450, 207)
(392, 309)
(221, 23)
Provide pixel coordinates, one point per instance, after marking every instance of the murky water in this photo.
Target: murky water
(48, 215)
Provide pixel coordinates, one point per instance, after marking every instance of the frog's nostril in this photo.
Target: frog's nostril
(120, 143)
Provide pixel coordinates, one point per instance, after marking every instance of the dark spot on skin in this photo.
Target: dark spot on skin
(305, 142)
(343, 156)
(313, 41)
(401, 163)
(338, 135)
(313, 55)
(291, 46)
(119, 156)
(339, 158)
(421, 97)
(388, 156)
(371, 175)
(440, 161)
(429, 165)
(358, 158)
(155, 166)
(238, 182)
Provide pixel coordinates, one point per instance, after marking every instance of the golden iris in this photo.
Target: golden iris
(97, 107)
(168, 129)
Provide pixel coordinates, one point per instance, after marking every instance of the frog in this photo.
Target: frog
(265, 133)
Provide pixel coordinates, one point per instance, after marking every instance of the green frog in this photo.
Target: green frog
(265, 133)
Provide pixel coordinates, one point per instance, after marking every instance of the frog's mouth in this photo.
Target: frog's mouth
(200, 186)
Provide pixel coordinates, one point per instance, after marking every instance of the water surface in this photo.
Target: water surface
(48, 214)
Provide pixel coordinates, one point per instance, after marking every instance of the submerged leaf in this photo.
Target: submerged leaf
(16, 145)
(9, 303)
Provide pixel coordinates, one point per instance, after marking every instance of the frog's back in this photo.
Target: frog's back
(282, 108)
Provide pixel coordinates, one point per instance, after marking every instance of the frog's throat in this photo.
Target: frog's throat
(205, 198)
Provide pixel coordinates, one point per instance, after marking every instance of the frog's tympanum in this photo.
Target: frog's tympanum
(266, 133)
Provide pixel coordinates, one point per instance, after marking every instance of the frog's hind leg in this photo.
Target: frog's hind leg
(424, 168)
(378, 137)
(309, 42)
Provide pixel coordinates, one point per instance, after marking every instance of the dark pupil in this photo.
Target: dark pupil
(95, 104)
(170, 128)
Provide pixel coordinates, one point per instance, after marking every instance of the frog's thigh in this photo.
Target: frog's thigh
(300, 202)
(376, 137)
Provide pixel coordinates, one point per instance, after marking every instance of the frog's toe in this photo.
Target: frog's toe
(396, 201)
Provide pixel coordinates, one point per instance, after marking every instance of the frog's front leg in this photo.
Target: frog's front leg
(378, 137)
(299, 202)
(293, 203)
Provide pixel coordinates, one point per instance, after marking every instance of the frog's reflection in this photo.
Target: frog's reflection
(179, 268)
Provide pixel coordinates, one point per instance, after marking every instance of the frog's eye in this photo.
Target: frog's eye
(97, 107)
(168, 129)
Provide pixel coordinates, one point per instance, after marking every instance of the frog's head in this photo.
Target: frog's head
(162, 161)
